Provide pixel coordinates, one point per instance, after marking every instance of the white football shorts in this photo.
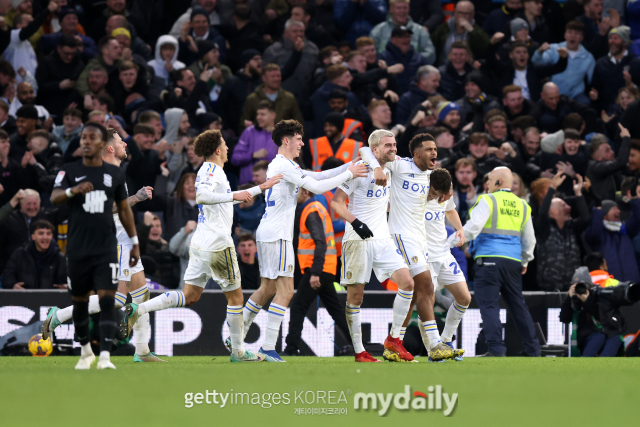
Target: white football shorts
(359, 257)
(413, 251)
(124, 271)
(222, 266)
(445, 272)
(276, 259)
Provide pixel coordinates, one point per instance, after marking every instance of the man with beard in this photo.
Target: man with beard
(515, 105)
(25, 95)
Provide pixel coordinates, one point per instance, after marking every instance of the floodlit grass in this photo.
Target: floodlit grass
(491, 392)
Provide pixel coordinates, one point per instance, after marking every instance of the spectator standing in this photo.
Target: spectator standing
(145, 163)
(400, 51)
(190, 93)
(357, 18)
(475, 104)
(427, 81)
(12, 174)
(166, 58)
(255, 143)
(399, 17)
(427, 13)
(539, 30)
(209, 7)
(332, 144)
(515, 105)
(596, 27)
(69, 129)
(181, 207)
(558, 236)
(38, 264)
(26, 120)
(453, 74)
(552, 108)
(498, 19)
(249, 213)
(109, 58)
(156, 251)
(605, 168)
(69, 27)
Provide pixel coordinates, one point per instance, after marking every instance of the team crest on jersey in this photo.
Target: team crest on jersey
(126, 273)
(349, 275)
(290, 268)
(59, 177)
(107, 180)
(414, 259)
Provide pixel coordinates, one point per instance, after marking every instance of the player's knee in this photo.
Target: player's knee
(107, 303)
(464, 300)
(286, 293)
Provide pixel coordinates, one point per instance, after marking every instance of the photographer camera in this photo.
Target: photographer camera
(594, 309)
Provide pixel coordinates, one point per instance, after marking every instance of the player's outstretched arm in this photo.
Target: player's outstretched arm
(378, 173)
(319, 187)
(143, 194)
(126, 218)
(60, 196)
(339, 206)
(330, 173)
(454, 219)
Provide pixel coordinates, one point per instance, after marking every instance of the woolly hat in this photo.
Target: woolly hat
(607, 205)
(582, 275)
(517, 25)
(476, 77)
(204, 47)
(198, 11)
(623, 32)
(335, 119)
(248, 55)
(445, 108)
(121, 31)
(66, 11)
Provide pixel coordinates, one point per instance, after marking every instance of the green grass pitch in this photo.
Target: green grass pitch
(491, 392)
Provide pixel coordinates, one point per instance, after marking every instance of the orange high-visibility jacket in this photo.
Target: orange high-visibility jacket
(306, 245)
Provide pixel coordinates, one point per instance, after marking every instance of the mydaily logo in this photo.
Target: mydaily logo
(433, 401)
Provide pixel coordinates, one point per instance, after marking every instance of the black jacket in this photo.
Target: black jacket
(550, 121)
(607, 175)
(36, 270)
(608, 79)
(232, 96)
(190, 103)
(588, 311)
(451, 83)
(630, 119)
(50, 72)
(166, 266)
(475, 111)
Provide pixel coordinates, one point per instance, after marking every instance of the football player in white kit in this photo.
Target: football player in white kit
(211, 253)
(411, 189)
(275, 232)
(131, 280)
(445, 271)
(367, 245)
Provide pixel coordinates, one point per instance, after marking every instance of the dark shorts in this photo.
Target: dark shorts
(92, 274)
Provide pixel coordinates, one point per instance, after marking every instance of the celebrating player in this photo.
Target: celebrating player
(275, 232)
(91, 187)
(367, 245)
(410, 191)
(211, 254)
(444, 269)
(130, 280)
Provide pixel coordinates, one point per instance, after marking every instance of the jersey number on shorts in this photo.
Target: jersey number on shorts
(456, 269)
(94, 201)
(270, 202)
(114, 272)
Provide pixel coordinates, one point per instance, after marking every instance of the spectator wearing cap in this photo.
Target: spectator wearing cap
(608, 234)
(57, 73)
(26, 120)
(520, 71)
(296, 56)
(242, 34)
(498, 19)
(199, 28)
(552, 108)
(338, 77)
(617, 69)
(237, 87)
(453, 74)
(427, 81)
(558, 236)
(475, 103)
(605, 168)
(460, 27)
(580, 67)
(68, 17)
(400, 51)
(20, 52)
(357, 19)
(255, 143)
(38, 264)
(539, 30)
(332, 144)
(399, 17)
(166, 57)
(271, 90)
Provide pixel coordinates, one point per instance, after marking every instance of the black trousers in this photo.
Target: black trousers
(498, 276)
(305, 296)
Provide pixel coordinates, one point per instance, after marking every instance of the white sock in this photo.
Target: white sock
(105, 355)
(85, 350)
(431, 329)
(425, 338)
(120, 300)
(401, 306)
(65, 314)
(94, 304)
(250, 311)
(234, 320)
(142, 328)
(162, 302)
(274, 320)
(353, 320)
(403, 330)
(454, 316)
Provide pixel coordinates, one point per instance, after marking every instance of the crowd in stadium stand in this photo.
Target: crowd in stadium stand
(546, 88)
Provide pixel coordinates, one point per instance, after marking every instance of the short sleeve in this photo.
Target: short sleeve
(451, 205)
(62, 180)
(120, 192)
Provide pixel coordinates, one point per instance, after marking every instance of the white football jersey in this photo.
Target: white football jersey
(121, 233)
(368, 202)
(409, 192)
(281, 201)
(434, 225)
(213, 232)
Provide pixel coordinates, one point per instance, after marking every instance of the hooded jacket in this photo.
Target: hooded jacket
(158, 63)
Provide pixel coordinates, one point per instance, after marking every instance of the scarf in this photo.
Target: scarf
(615, 226)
